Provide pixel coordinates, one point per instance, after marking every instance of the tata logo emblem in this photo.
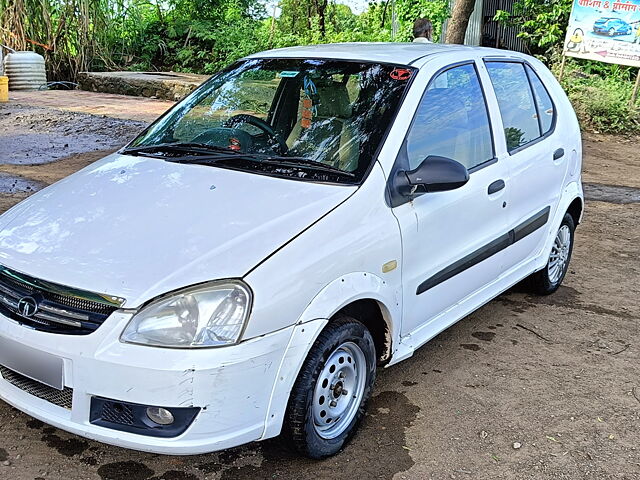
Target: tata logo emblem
(27, 306)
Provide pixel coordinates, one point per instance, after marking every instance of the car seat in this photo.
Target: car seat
(329, 137)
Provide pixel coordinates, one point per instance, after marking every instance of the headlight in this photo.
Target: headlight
(206, 316)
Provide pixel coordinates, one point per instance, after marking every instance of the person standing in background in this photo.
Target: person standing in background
(422, 30)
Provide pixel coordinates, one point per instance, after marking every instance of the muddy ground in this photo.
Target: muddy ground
(525, 388)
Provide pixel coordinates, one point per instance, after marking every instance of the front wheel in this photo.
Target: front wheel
(329, 397)
(548, 280)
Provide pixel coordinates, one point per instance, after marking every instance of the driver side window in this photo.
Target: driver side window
(452, 120)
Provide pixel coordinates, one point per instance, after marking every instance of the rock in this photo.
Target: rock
(517, 445)
(6, 463)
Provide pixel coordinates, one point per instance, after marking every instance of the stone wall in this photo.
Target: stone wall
(164, 85)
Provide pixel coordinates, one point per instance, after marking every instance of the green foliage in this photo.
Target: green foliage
(199, 36)
(542, 24)
(435, 10)
(601, 102)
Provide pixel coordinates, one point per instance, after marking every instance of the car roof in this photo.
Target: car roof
(389, 52)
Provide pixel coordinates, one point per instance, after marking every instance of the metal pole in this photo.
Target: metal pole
(634, 94)
(564, 60)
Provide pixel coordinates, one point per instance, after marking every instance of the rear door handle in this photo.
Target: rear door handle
(496, 187)
(559, 153)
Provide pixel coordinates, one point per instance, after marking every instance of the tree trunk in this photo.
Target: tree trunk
(322, 7)
(457, 27)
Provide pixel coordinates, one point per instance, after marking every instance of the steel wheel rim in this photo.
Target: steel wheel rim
(559, 257)
(339, 390)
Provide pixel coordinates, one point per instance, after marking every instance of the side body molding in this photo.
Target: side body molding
(525, 228)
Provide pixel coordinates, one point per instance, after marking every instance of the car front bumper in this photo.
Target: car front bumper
(233, 386)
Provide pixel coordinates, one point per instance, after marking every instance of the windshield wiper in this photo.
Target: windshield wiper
(292, 162)
(205, 155)
(196, 148)
(298, 161)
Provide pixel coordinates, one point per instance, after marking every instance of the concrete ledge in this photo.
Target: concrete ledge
(164, 85)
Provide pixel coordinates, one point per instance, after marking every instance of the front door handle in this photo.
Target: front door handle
(559, 153)
(496, 187)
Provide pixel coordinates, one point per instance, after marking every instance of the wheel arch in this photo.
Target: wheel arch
(575, 209)
(361, 295)
(369, 299)
(571, 202)
(375, 316)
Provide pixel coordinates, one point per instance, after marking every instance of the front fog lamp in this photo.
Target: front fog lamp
(206, 316)
(159, 415)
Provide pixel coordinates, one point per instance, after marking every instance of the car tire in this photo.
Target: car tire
(612, 32)
(548, 280)
(321, 418)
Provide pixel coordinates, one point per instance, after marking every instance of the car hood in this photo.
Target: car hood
(137, 227)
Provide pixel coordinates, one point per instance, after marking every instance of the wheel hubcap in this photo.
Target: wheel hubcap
(339, 390)
(559, 258)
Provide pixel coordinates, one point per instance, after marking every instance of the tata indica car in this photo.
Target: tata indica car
(306, 216)
(611, 26)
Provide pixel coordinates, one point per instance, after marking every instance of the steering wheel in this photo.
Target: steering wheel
(259, 123)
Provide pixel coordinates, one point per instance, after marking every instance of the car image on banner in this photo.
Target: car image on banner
(607, 31)
(612, 26)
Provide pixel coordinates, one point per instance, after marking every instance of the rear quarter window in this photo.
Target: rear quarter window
(544, 104)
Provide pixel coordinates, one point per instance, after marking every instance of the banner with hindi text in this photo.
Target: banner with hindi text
(607, 31)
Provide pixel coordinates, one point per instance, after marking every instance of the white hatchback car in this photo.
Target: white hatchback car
(308, 214)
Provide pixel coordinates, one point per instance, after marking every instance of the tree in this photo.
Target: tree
(457, 27)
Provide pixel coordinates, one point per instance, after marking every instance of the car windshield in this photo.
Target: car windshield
(313, 119)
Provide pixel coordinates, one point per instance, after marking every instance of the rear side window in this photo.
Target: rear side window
(452, 120)
(543, 101)
(515, 99)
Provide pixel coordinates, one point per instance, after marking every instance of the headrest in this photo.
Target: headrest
(333, 100)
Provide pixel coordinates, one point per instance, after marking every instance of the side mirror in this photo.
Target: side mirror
(434, 174)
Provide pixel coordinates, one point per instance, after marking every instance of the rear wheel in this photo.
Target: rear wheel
(329, 397)
(548, 279)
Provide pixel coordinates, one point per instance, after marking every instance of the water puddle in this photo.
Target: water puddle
(611, 193)
(15, 184)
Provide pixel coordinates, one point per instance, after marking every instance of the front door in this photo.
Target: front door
(452, 241)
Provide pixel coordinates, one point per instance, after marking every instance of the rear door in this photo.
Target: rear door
(535, 154)
(451, 239)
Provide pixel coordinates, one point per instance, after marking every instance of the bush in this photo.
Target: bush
(601, 101)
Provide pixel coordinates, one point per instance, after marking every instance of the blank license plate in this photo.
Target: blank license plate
(32, 363)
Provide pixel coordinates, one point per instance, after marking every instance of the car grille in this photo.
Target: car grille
(52, 308)
(62, 398)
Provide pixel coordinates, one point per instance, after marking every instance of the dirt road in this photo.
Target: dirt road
(525, 388)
